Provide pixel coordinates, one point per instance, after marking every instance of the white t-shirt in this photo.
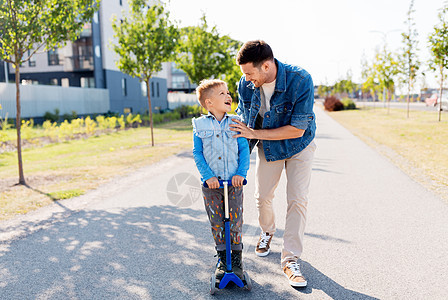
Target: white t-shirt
(266, 92)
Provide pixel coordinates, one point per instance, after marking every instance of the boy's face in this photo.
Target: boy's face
(219, 100)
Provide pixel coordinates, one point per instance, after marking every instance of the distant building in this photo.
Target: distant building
(177, 80)
(89, 62)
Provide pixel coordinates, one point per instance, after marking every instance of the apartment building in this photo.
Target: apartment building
(89, 62)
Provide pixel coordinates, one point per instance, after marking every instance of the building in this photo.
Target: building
(177, 80)
(89, 62)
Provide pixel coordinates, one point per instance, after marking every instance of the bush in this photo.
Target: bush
(52, 117)
(348, 103)
(332, 103)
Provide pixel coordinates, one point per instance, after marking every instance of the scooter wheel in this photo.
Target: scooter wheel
(212, 284)
(248, 281)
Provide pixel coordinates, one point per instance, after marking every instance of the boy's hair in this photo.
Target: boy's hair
(204, 89)
(256, 52)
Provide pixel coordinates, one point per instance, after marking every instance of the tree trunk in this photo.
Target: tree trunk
(409, 92)
(150, 110)
(440, 93)
(19, 126)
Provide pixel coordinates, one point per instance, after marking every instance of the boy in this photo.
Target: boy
(219, 156)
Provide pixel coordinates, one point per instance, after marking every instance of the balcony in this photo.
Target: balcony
(78, 63)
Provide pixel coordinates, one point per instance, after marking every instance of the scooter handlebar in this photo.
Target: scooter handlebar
(221, 183)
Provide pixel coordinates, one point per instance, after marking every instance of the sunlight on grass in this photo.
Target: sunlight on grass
(82, 165)
(421, 139)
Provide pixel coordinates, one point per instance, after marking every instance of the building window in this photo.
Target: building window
(124, 87)
(53, 57)
(54, 81)
(32, 61)
(158, 92)
(178, 82)
(87, 82)
(121, 2)
(65, 82)
(29, 82)
(152, 89)
(143, 87)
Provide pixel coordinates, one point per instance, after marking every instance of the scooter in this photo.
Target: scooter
(229, 276)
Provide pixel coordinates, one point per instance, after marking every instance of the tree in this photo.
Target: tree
(438, 41)
(232, 72)
(203, 53)
(385, 66)
(145, 39)
(409, 64)
(33, 25)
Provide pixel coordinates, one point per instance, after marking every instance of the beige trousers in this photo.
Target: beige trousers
(298, 174)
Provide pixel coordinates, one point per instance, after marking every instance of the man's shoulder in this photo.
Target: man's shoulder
(293, 70)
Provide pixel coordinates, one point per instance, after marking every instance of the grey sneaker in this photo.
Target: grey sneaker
(263, 245)
(294, 275)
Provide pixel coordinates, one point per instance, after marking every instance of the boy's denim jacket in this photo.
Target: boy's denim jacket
(291, 104)
(216, 152)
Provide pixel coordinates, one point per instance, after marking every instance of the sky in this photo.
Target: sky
(327, 38)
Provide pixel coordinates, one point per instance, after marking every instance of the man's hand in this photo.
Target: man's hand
(243, 129)
(213, 183)
(237, 180)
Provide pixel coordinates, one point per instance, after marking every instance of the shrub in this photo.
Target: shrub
(52, 117)
(27, 129)
(332, 103)
(348, 103)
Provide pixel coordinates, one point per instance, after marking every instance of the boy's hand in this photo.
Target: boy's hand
(237, 180)
(213, 183)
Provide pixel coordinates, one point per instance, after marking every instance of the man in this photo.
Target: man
(276, 106)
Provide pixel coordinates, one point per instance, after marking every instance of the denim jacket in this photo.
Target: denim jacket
(216, 152)
(291, 104)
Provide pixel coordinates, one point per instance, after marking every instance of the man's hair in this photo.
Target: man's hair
(256, 52)
(205, 88)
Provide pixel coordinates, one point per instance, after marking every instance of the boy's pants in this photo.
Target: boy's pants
(298, 174)
(214, 205)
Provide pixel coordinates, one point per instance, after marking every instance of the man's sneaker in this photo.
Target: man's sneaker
(237, 265)
(294, 275)
(263, 244)
(220, 266)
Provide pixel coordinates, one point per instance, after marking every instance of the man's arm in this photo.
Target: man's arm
(274, 134)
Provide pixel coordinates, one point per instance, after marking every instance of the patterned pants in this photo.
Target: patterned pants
(214, 205)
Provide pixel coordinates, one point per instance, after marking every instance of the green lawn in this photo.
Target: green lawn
(420, 139)
(68, 169)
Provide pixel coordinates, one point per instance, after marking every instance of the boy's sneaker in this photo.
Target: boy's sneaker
(220, 266)
(294, 275)
(237, 265)
(263, 244)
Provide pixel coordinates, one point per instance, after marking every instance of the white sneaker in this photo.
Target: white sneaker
(294, 275)
(263, 244)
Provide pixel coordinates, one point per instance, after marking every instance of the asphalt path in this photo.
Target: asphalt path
(372, 233)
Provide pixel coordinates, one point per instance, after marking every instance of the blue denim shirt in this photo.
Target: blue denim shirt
(216, 152)
(291, 104)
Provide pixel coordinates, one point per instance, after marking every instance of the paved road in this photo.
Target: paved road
(373, 233)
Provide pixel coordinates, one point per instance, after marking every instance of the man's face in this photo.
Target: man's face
(253, 74)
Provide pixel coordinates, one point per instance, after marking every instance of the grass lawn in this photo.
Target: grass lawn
(69, 169)
(420, 139)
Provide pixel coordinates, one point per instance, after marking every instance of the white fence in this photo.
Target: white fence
(36, 100)
(179, 99)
